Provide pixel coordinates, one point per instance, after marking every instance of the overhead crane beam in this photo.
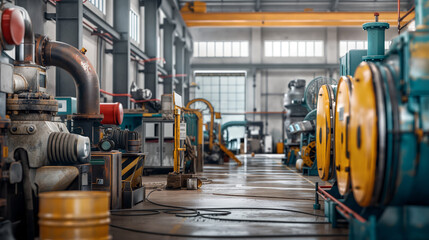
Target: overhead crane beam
(286, 19)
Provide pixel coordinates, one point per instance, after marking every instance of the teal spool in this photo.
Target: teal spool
(376, 37)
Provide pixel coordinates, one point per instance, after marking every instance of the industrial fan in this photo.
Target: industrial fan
(312, 89)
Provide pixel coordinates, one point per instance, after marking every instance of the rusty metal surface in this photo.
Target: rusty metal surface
(74, 215)
(67, 57)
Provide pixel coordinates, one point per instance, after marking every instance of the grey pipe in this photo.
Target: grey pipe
(25, 52)
(67, 57)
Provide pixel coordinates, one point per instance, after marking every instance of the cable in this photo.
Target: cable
(229, 236)
(191, 212)
(260, 196)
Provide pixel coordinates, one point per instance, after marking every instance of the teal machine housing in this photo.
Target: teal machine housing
(350, 61)
(400, 209)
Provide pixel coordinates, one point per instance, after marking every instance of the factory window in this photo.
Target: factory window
(99, 4)
(226, 91)
(346, 46)
(294, 48)
(221, 49)
(134, 26)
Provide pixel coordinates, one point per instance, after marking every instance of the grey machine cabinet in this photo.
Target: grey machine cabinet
(158, 142)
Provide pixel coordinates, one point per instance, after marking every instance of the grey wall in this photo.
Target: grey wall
(270, 85)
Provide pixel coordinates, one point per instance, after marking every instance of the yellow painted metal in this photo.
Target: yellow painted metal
(308, 154)
(342, 118)
(212, 117)
(200, 124)
(177, 148)
(286, 19)
(323, 133)
(363, 135)
(230, 154)
(196, 6)
(132, 169)
(74, 215)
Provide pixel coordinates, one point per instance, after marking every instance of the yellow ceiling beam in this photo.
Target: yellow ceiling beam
(287, 19)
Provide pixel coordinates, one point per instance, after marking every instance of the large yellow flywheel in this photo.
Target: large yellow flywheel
(365, 115)
(342, 120)
(323, 132)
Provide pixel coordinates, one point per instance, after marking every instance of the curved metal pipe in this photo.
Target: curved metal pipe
(67, 57)
(25, 51)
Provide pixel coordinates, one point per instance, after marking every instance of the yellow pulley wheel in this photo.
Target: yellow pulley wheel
(309, 154)
(323, 132)
(367, 134)
(342, 121)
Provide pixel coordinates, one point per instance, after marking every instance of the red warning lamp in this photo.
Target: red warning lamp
(12, 26)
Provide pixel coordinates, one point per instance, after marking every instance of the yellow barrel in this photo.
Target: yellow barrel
(280, 147)
(74, 215)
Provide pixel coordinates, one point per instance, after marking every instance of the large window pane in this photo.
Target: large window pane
(227, 51)
(301, 49)
(318, 49)
(293, 48)
(268, 48)
(285, 49)
(219, 49)
(276, 49)
(196, 49)
(236, 49)
(210, 49)
(244, 51)
(203, 49)
(309, 49)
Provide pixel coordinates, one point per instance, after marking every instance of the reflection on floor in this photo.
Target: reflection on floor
(262, 182)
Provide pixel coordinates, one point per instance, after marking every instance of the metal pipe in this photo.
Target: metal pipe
(67, 57)
(25, 51)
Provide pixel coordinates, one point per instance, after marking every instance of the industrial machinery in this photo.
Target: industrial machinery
(39, 154)
(257, 142)
(380, 164)
(295, 111)
(301, 132)
(214, 151)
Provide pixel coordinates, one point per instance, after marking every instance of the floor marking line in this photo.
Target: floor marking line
(311, 182)
(177, 226)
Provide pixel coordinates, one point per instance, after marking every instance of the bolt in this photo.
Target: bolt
(14, 129)
(31, 129)
(376, 14)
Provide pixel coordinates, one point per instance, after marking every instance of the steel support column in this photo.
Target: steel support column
(179, 66)
(151, 35)
(187, 69)
(169, 28)
(35, 9)
(69, 30)
(121, 50)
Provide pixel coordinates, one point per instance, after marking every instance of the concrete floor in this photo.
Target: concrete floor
(267, 184)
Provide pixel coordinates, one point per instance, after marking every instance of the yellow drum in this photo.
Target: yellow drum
(342, 121)
(366, 142)
(324, 140)
(74, 215)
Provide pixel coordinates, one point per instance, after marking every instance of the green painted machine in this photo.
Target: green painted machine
(381, 189)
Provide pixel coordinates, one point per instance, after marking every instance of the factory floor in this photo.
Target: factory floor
(262, 182)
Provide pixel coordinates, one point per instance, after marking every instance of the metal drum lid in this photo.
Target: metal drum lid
(324, 132)
(367, 134)
(342, 120)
